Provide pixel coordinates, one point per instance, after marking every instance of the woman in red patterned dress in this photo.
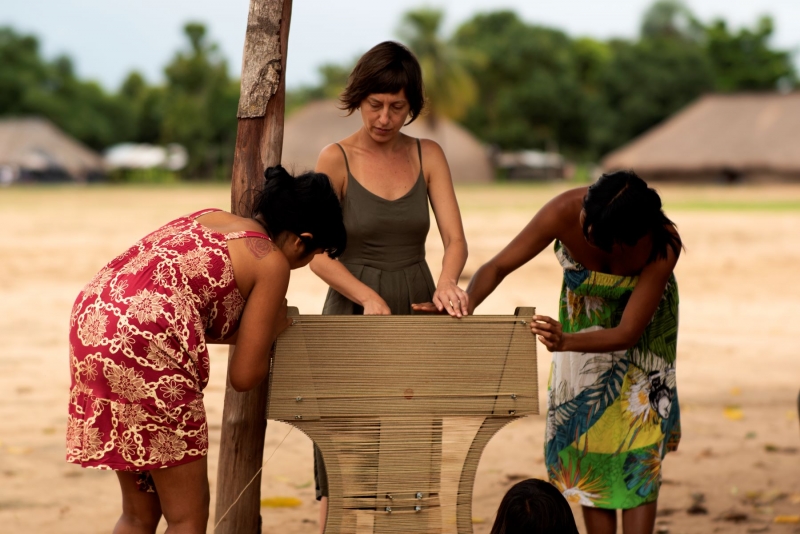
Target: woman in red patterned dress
(139, 332)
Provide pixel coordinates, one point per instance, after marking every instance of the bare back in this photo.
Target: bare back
(244, 251)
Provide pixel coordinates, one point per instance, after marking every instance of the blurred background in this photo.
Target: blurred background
(118, 117)
(527, 90)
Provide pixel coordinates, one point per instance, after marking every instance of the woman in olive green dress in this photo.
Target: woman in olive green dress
(384, 179)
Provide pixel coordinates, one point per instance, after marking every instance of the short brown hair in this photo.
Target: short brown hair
(387, 68)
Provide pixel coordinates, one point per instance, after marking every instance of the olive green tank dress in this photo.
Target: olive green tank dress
(385, 246)
(385, 251)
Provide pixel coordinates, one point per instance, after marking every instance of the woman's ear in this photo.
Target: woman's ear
(300, 242)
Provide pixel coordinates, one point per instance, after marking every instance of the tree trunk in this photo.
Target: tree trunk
(259, 141)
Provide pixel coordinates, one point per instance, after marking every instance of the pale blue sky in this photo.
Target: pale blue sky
(109, 38)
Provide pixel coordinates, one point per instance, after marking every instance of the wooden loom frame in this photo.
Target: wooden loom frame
(400, 424)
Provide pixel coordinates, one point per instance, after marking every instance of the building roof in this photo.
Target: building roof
(740, 132)
(36, 144)
(310, 129)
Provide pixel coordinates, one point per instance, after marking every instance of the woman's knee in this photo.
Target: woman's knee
(139, 521)
(141, 511)
(184, 495)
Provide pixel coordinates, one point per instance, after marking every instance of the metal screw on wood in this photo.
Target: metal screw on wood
(417, 508)
(513, 396)
(419, 495)
(388, 509)
(298, 398)
(298, 416)
(512, 412)
(389, 496)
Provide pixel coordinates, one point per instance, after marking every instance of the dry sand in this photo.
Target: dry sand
(738, 350)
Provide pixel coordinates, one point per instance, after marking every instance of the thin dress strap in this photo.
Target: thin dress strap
(200, 213)
(419, 151)
(246, 233)
(346, 163)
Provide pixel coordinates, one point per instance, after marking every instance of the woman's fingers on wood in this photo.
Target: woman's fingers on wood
(464, 300)
(455, 304)
(548, 345)
(542, 333)
(542, 327)
(425, 307)
(545, 319)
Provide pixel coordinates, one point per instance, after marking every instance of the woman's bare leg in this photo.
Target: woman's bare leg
(183, 491)
(141, 511)
(599, 520)
(323, 514)
(639, 520)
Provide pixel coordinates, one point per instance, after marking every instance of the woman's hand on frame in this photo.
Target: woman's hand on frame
(549, 332)
(375, 305)
(426, 308)
(452, 299)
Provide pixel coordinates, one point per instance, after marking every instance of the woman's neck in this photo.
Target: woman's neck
(386, 147)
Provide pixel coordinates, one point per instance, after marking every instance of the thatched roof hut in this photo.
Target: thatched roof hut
(320, 123)
(753, 137)
(34, 149)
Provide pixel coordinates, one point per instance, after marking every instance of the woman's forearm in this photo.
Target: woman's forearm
(608, 340)
(336, 275)
(485, 280)
(455, 257)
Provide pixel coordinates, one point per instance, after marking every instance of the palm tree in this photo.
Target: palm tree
(671, 19)
(449, 88)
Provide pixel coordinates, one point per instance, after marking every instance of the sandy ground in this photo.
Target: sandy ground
(738, 364)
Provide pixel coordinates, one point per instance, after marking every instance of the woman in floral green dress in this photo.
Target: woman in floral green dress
(612, 403)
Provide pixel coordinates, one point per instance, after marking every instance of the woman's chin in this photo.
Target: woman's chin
(380, 135)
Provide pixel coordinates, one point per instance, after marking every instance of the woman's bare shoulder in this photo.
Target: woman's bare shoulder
(330, 155)
(225, 223)
(331, 162)
(430, 148)
(569, 201)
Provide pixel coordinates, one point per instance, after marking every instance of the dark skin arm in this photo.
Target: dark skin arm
(538, 234)
(637, 315)
(559, 219)
(263, 271)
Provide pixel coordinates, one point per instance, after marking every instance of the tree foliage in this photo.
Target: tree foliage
(449, 88)
(744, 61)
(30, 85)
(195, 107)
(644, 83)
(529, 93)
(515, 85)
(200, 104)
(671, 19)
(539, 88)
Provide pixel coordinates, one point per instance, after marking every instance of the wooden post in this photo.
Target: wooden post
(259, 142)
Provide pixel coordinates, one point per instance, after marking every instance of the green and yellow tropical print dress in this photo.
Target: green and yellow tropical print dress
(611, 417)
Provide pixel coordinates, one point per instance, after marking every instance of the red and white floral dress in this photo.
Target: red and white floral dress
(138, 354)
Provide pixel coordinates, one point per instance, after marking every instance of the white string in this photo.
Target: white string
(253, 479)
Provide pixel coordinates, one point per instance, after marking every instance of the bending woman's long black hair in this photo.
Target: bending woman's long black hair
(621, 208)
(534, 507)
(303, 204)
